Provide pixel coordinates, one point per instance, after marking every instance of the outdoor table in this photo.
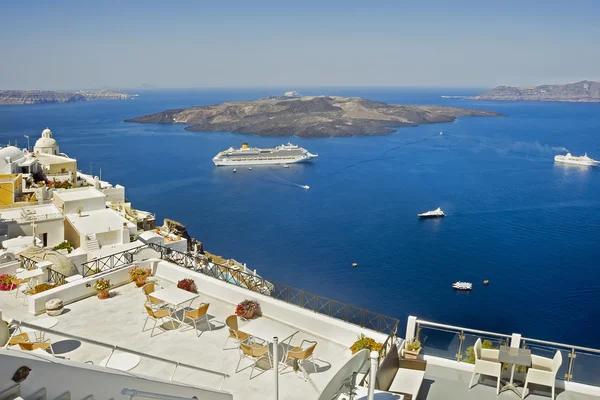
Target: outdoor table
(47, 323)
(121, 361)
(266, 329)
(175, 297)
(514, 356)
(33, 274)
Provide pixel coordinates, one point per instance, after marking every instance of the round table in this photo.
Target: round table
(121, 361)
(47, 322)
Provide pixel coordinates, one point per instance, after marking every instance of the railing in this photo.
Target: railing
(199, 263)
(113, 348)
(56, 277)
(28, 263)
(150, 395)
(580, 364)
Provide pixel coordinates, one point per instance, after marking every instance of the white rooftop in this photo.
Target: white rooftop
(52, 159)
(33, 212)
(67, 195)
(97, 221)
(107, 250)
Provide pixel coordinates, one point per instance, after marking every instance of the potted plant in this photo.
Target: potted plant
(102, 285)
(247, 308)
(139, 275)
(187, 284)
(364, 342)
(412, 349)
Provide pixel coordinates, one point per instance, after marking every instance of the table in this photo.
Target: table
(48, 322)
(266, 329)
(175, 297)
(514, 356)
(33, 274)
(121, 361)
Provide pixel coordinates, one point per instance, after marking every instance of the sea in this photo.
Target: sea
(514, 217)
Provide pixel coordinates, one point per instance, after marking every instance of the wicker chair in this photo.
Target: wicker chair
(198, 315)
(153, 302)
(254, 352)
(486, 363)
(301, 354)
(234, 333)
(22, 340)
(156, 315)
(543, 371)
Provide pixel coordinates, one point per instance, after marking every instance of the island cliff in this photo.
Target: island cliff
(308, 116)
(51, 96)
(580, 92)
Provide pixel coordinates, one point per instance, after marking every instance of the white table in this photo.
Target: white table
(175, 297)
(121, 361)
(47, 322)
(266, 329)
(33, 274)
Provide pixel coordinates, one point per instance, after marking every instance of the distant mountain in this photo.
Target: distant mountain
(579, 92)
(51, 96)
(308, 116)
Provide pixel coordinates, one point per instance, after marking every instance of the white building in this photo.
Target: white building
(44, 221)
(15, 161)
(91, 230)
(70, 201)
(46, 144)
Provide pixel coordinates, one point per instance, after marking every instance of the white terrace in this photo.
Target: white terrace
(119, 320)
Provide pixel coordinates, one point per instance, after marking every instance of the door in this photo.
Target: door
(45, 239)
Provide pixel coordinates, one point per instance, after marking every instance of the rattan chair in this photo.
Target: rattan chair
(198, 315)
(486, 363)
(234, 333)
(254, 352)
(156, 315)
(153, 302)
(301, 354)
(23, 341)
(21, 284)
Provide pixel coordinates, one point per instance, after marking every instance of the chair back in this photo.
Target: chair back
(26, 346)
(477, 349)
(148, 288)
(309, 351)
(200, 311)
(253, 350)
(149, 310)
(20, 338)
(232, 325)
(556, 361)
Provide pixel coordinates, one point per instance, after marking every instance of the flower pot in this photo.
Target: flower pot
(248, 314)
(411, 354)
(103, 294)
(139, 282)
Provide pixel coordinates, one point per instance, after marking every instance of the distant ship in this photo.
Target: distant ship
(462, 285)
(582, 160)
(437, 213)
(284, 154)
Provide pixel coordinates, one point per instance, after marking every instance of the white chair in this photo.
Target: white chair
(543, 371)
(486, 363)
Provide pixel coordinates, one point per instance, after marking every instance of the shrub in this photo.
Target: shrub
(6, 282)
(64, 245)
(42, 287)
(413, 345)
(363, 342)
(102, 284)
(246, 307)
(188, 285)
(138, 272)
(470, 351)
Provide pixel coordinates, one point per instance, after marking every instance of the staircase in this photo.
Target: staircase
(91, 243)
(14, 393)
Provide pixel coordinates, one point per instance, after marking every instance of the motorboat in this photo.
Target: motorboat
(462, 285)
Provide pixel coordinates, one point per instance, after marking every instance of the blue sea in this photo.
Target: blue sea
(514, 217)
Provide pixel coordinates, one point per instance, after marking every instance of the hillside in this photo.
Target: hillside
(581, 92)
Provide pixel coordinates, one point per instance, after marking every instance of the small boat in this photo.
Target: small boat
(285, 166)
(306, 187)
(250, 168)
(437, 213)
(462, 285)
(234, 170)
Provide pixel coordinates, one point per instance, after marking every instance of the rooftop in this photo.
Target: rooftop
(30, 213)
(97, 221)
(78, 194)
(53, 159)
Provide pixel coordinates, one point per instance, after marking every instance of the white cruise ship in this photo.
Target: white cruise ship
(582, 160)
(437, 213)
(284, 154)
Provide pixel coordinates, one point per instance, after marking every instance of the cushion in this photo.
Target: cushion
(407, 381)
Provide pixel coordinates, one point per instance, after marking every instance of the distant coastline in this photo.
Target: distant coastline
(578, 92)
(24, 97)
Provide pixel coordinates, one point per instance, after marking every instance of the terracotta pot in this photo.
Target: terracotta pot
(249, 314)
(139, 282)
(103, 294)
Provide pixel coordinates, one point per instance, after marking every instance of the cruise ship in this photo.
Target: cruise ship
(582, 160)
(437, 213)
(284, 154)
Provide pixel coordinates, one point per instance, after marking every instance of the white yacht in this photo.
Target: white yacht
(284, 154)
(582, 160)
(437, 213)
(462, 285)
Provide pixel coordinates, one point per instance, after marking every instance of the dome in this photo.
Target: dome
(47, 132)
(12, 153)
(45, 142)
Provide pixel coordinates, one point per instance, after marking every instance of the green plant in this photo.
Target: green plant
(413, 345)
(470, 351)
(138, 272)
(64, 245)
(102, 284)
(364, 342)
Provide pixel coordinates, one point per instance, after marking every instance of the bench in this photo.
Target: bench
(399, 375)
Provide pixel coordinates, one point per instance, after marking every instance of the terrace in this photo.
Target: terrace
(334, 326)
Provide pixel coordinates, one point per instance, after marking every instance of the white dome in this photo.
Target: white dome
(12, 153)
(45, 142)
(47, 132)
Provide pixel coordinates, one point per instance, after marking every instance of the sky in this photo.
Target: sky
(293, 44)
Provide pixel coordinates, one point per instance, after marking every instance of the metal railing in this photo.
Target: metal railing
(580, 364)
(20, 324)
(150, 395)
(248, 280)
(56, 277)
(28, 263)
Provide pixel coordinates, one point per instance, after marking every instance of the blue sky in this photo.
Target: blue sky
(89, 44)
